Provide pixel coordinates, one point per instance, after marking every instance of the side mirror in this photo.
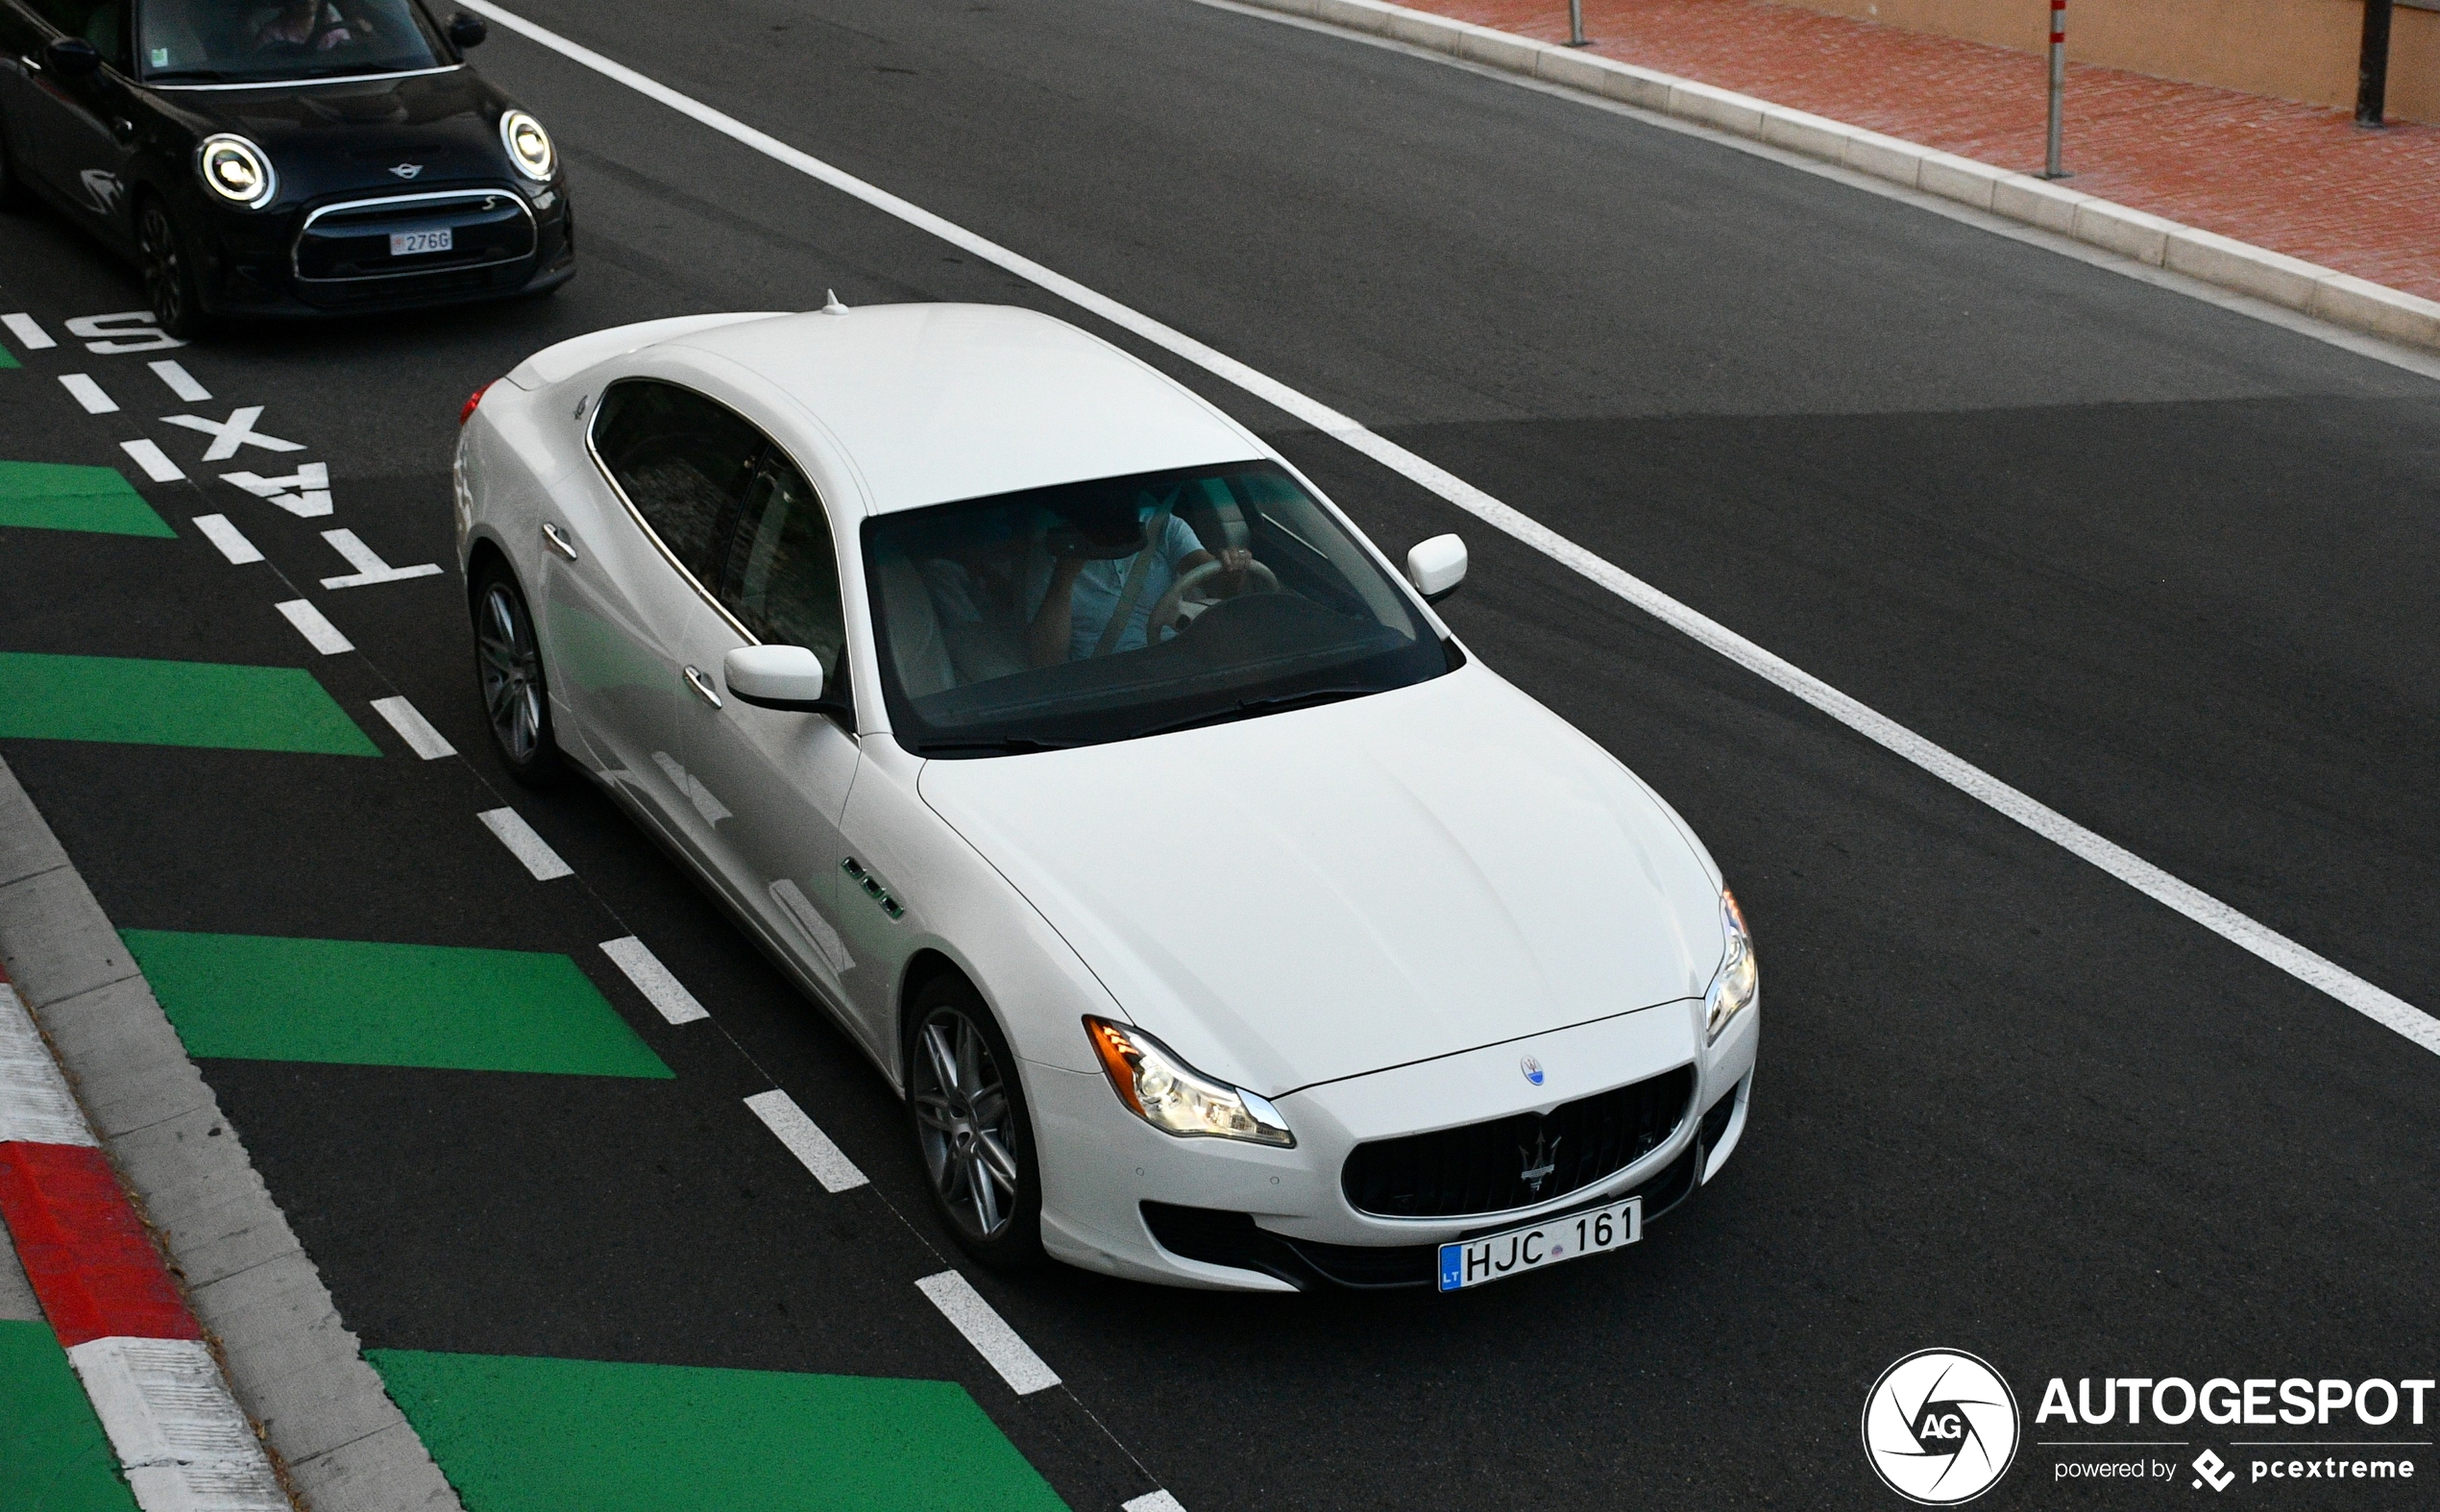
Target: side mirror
(1436, 567)
(71, 58)
(777, 677)
(468, 31)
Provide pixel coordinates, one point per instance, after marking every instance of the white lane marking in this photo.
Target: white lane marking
(102, 333)
(319, 633)
(228, 435)
(85, 391)
(418, 733)
(989, 1332)
(230, 540)
(175, 1427)
(181, 382)
(806, 1141)
(36, 1105)
(2382, 1006)
(658, 984)
(305, 493)
(524, 844)
(29, 331)
(369, 567)
(155, 462)
(1153, 1501)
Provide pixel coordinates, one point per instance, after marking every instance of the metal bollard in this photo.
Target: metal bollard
(2053, 167)
(1575, 24)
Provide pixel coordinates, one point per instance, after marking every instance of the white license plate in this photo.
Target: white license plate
(407, 243)
(1471, 1263)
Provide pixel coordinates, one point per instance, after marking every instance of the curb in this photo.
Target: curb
(2341, 299)
(141, 1126)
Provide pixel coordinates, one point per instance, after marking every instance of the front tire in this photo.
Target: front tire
(971, 1126)
(13, 193)
(508, 668)
(169, 272)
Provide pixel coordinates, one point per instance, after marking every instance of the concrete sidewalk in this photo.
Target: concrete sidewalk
(2296, 179)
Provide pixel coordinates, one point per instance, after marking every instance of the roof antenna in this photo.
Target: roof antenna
(831, 305)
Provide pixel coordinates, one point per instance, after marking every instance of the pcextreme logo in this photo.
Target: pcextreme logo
(1941, 1428)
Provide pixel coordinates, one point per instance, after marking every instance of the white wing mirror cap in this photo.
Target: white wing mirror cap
(773, 676)
(1436, 567)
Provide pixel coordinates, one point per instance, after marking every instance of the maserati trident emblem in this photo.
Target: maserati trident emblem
(1539, 1161)
(1532, 1069)
(407, 170)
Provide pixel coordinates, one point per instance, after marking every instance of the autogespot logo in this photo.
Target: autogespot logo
(1941, 1428)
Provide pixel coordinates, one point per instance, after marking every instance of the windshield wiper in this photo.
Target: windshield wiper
(1007, 746)
(1249, 707)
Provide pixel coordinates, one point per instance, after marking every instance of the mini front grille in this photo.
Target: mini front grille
(1518, 1162)
(350, 242)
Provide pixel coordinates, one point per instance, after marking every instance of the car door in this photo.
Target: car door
(628, 544)
(775, 782)
(76, 135)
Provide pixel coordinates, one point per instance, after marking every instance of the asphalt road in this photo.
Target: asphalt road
(2170, 570)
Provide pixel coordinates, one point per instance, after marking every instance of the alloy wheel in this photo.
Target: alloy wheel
(512, 674)
(966, 1123)
(164, 274)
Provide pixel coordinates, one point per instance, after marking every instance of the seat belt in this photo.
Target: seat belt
(1138, 573)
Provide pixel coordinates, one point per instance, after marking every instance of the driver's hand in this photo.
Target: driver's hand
(1233, 565)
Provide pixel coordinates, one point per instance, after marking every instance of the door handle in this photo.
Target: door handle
(702, 686)
(558, 540)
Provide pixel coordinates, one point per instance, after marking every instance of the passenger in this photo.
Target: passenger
(1101, 565)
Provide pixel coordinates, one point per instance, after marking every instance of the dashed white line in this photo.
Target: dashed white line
(524, 844)
(29, 331)
(368, 564)
(989, 1332)
(806, 1141)
(155, 462)
(421, 739)
(658, 984)
(2380, 1005)
(319, 633)
(85, 391)
(230, 540)
(1154, 1501)
(181, 381)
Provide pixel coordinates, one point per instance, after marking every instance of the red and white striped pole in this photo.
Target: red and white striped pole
(2052, 167)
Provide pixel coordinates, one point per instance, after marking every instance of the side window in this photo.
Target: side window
(683, 461)
(780, 572)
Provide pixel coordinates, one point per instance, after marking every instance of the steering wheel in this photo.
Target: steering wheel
(1165, 613)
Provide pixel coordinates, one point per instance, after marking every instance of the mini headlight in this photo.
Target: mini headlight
(236, 170)
(1738, 978)
(528, 145)
(1174, 1097)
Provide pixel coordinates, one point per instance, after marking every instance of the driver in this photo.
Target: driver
(1094, 550)
(297, 22)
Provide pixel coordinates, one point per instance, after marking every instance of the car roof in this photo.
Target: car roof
(934, 402)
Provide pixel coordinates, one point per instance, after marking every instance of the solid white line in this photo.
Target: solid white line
(418, 733)
(85, 391)
(1153, 1501)
(230, 540)
(176, 1429)
(29, 331)
(36, 1105)
(181, 381)
(989, 1332)
(658, 984)
(319, 633)
(806, 1141)
(513, 832)
(2382, 1006)
(155, 462)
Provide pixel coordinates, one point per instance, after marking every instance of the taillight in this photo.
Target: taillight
(471, 400)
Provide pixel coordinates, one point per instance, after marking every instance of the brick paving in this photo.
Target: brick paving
(2298, 179)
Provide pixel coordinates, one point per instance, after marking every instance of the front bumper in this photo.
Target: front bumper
(331, 256)
(1125, 1199)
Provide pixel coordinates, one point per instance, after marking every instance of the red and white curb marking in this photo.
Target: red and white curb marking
(178, 1432)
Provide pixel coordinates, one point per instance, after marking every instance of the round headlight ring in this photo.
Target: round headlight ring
(236, 170)
(528, 145)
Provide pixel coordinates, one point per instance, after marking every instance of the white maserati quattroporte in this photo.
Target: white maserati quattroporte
(1222, 921)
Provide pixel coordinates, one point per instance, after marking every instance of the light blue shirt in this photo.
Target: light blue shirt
(1095, 596)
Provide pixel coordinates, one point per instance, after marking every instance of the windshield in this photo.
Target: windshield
(1129, 606)
(240, 41)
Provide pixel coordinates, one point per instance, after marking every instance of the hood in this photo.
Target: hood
(339, 138)
(1320, 894)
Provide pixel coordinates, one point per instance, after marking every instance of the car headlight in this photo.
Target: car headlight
(528, 145)
(1738, 978)
(1174, 1097)
(236, 170)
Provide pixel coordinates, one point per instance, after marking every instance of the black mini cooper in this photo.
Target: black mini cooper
(267, 157)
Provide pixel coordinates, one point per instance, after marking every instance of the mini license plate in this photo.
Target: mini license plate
(407, 243)
(1471, 1263)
